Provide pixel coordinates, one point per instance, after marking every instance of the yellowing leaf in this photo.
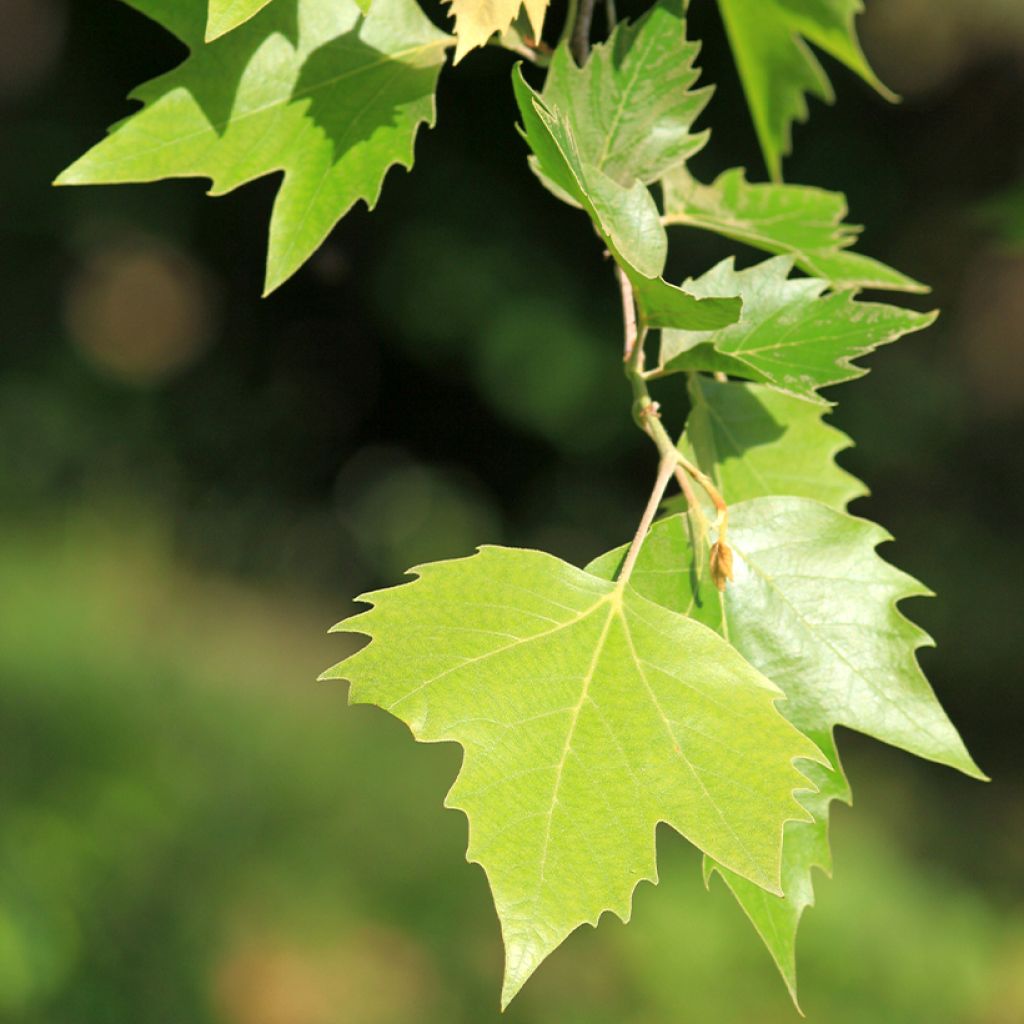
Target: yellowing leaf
(477, 20)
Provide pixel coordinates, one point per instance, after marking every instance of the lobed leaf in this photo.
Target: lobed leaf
(790, 334)
(588, 715)
(626, 218)
(812, 606)
(225, 15)
(310, 88)
(797, 220)
(778, 69)
(632, 105)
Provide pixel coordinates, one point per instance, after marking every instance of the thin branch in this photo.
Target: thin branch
(666, 470)
(581, 31)
(628, 314)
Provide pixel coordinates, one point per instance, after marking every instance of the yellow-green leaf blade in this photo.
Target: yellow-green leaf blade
(317, 91)
(587, 714)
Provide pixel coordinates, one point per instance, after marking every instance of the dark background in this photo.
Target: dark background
(194, 483)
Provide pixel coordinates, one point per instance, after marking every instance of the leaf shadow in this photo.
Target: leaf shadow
(214, 71)
(368, 94)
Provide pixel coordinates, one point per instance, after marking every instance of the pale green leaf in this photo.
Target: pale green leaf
(587, 714)
(632, 106)
(626, 218)
(756, 442)
(477, 20)
(311, 89)
(814, 607)
(778, 69)
(797, 220)
(790, 334)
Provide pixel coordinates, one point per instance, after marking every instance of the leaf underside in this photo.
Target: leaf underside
(588, 715)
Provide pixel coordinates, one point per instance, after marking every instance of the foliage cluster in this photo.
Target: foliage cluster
(696, 675)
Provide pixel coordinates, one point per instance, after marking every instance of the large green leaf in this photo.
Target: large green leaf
(756, 442)
(790, 334)
(632, 106)
(797, 220)
(588, 714)
(814, 607)
(310, 88)
(626, 218)
(777, 67)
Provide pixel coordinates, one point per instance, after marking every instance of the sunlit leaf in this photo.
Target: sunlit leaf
(312, 89)
(587, 714)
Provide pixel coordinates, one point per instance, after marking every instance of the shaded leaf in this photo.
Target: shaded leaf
(813, 607)
(798, 220)
(778, 69)
(310, 88)
(626, 218)
(632, 106)
(790, 334)
(587, 714)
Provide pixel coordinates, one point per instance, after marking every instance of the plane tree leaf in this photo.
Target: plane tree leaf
(587, 714)
(632, 105)
(814, 607)
(626, 218)
(801, 221)
(754, 442)
(790, 334)
(477, 20)
(778, 69)
(310, 88)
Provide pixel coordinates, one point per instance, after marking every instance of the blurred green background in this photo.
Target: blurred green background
(194, 483)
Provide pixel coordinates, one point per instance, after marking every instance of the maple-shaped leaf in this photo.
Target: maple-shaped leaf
(814, 607)
(790, 334)
(310, 88)
(632, 106)
(626, 218)
(588, 715)
(801, 221)
(778, 69)
(477, 20)
(754, 441)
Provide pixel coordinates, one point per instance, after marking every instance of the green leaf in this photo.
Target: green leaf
(790, 335)
(797, 220)
(313, 89)
(626, 218)
(814, 607)
(587, 715)
(777, 67)
(225, 15)
(756, 442)
(805, 846)
(632, 106)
